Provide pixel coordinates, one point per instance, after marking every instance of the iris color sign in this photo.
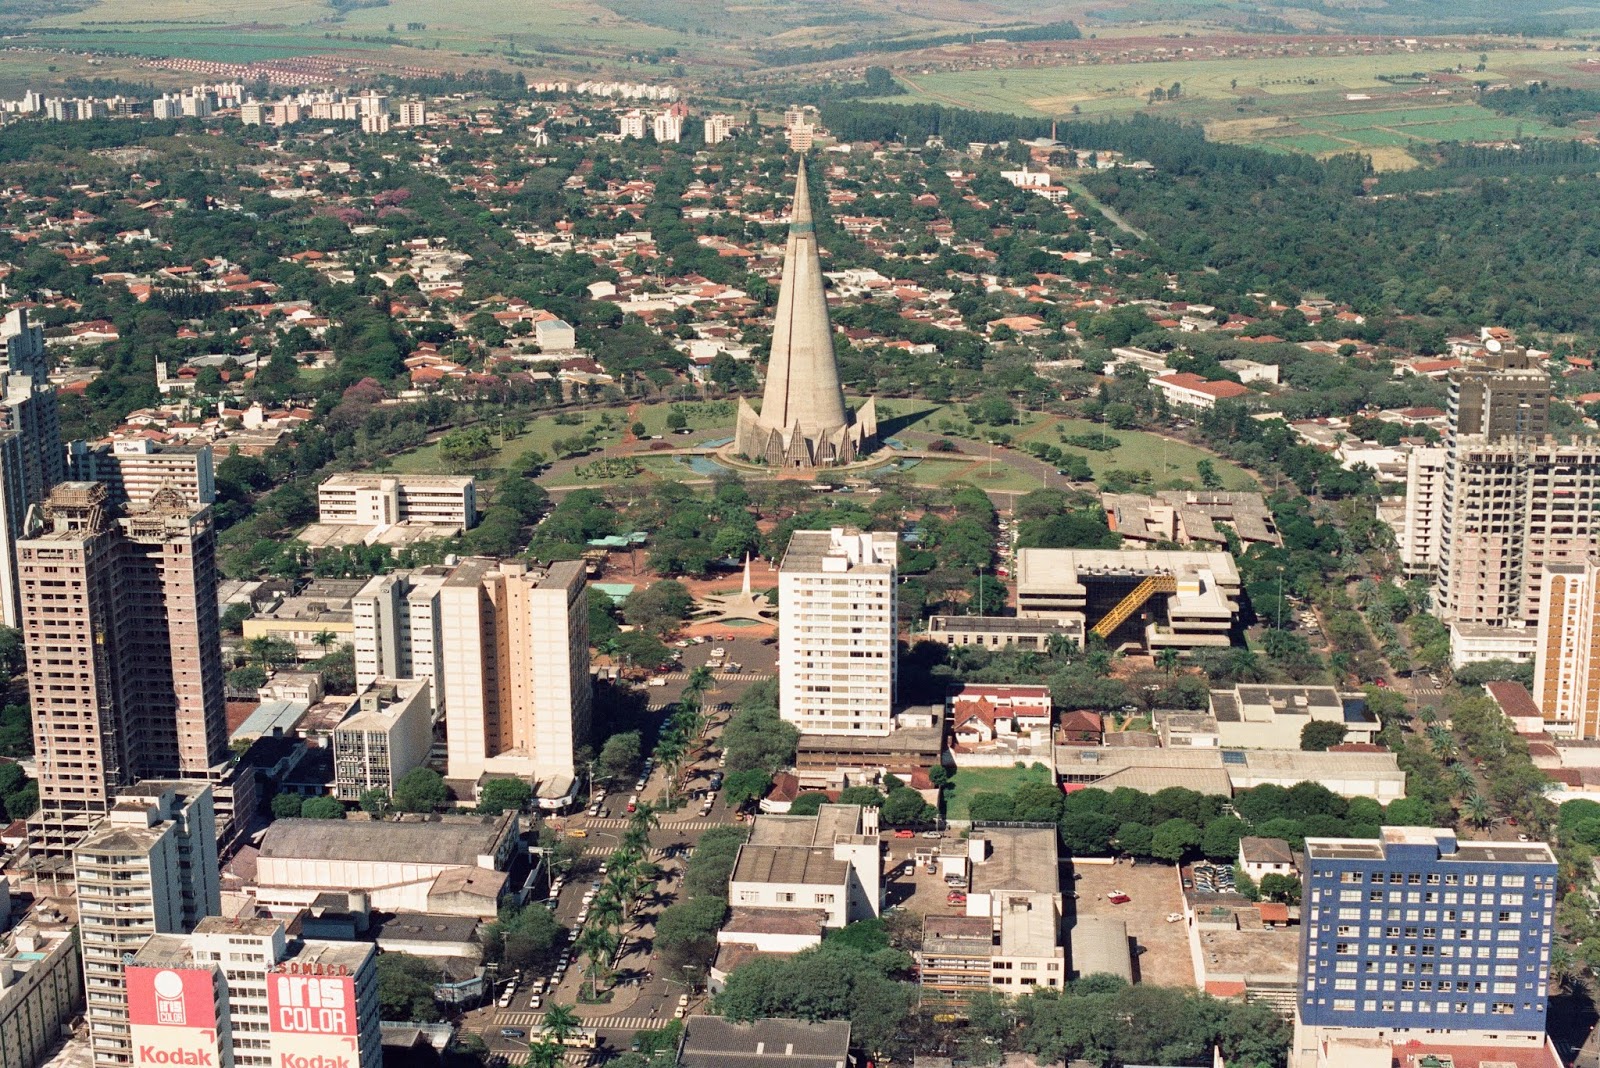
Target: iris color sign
(313, 1021)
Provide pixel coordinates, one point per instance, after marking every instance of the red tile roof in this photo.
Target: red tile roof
(1514, 700)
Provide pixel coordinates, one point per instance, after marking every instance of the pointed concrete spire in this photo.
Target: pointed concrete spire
(802, 408)
(746, 588)
(802, 377)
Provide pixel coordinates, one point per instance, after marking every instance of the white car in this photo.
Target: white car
(535, 1001)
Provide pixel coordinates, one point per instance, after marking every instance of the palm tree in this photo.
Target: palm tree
(1563, 965)
(644, 819)
(545, 1055)
(324, 640)
(1478, 811)
(1461, 777)
(560, 1022)
(596, 943)
(1167, 660)
(700, 680)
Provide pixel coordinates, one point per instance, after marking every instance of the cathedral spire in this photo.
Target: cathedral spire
(803, 400)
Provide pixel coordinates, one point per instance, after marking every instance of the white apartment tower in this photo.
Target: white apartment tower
(632, 124)
(718, 128)
(149, 867)
(396, 621)
(837, 670)
(413, 113)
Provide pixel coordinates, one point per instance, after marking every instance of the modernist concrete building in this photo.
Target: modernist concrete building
(388, 733)
(149, 867)
(124, 652)
(1419, 935)
(837, 665)
(803, 420)
(1185, 517)
(380, 500)
(1149, 599)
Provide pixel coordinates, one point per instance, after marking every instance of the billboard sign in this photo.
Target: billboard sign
(313, 1020)
(172, 1017)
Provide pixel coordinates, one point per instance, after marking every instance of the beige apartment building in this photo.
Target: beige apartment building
(124, 652)
(514, 652)
(1418, 540)
(1566, 666)
(135, 469)
(837, 668)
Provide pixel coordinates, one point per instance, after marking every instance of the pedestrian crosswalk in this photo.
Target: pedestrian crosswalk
(667, 823)
(723, 676)
(576, 1057)
(624, 1023)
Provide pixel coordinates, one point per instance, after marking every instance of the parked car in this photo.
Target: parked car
(535, 1001)
(905, 834)
(933, 834)
(1117, 897)
(513, 1032)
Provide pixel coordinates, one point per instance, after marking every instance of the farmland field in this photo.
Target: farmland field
(1314, 104)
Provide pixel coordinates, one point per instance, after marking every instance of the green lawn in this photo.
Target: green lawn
(539, 435)
(1166, 460)
(969, 781)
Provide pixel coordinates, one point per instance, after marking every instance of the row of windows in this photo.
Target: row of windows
(1413, 878)
(1499, 1008)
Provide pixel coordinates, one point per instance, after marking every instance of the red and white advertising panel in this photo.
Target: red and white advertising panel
(313, 1021)
(172, 1017)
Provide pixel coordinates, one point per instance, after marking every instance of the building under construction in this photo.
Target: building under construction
(1146, 600)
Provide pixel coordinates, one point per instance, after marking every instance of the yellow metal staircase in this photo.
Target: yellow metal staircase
(1133, 602)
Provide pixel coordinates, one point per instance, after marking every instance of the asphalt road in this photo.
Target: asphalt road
(644, 998)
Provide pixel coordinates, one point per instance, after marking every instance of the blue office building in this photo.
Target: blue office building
(1416, 931)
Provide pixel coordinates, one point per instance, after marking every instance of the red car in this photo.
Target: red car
(1118, 899)
(905, 834)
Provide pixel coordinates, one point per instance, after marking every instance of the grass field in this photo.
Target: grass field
(704, 30)
(1289, 104)
(969, 781)
(539, 435)
(1166, 460)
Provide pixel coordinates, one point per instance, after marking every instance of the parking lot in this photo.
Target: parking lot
(919, 892)
(1155, 894)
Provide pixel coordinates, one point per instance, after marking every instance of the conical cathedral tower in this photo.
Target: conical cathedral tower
(803, 420)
